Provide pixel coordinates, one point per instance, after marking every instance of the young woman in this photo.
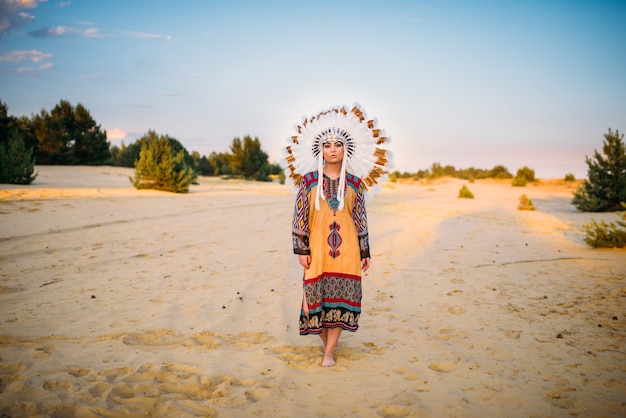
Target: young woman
(329, 230)
(333, 248)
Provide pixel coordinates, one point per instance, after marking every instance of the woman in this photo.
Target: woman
(329, 229)
(333, 248)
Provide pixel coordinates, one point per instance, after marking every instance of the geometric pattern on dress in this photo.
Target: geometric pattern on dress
(331, 192)
(334, 300)
(359, 214)
(334, 240)
(300, 225)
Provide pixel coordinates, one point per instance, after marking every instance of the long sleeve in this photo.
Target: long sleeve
(359, 215)
(300, 231)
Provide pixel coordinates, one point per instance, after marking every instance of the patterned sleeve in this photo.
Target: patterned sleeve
(359, 215)
(300, 226)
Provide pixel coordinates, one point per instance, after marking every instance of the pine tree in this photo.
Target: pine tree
(605, 187)
(159, 168)
(249, 160)
(17, 165)
(69, 135)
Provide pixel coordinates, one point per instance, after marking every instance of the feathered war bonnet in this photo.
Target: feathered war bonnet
(364, 152)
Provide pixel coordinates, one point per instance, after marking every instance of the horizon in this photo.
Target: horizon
(478, 84)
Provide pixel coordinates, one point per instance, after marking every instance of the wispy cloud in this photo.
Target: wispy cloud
(33, 70)
(13, 14)
(64, 30)
(18, 56)
(145, 35)
(46, 32)
(36, 57)
(49, 32)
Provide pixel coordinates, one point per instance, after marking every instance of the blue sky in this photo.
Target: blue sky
(468, 83)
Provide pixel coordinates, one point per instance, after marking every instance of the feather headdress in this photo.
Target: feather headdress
(365, 155)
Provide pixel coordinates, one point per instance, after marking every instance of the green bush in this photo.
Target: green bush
(527, 173)
(158, 168)
(607, 235)
(465, 193)
(605, 186)
(519, 182)
(525, 203)
(524, 175)
(570, 177)
(17, 164)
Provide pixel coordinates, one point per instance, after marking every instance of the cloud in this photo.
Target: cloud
(63, 4)
(18, 56)
(146, 35)
(12, 14)
(46, 32)
(92, 33)
(33, 70)
(116, 134)
(50, 32)
(36, 57)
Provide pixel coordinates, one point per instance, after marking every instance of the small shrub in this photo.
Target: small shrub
(527, 173)
(524, 175)
(570, 177)
(607, 235)
(519, 182)
(465, 193)
(393, 177)
(525, 203)
(160, 169)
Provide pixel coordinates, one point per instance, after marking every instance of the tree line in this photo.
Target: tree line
(69, 135)
(437, 170)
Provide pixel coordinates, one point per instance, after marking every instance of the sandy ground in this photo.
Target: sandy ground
(116, 302)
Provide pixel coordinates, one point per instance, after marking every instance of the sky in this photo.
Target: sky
(535, 83)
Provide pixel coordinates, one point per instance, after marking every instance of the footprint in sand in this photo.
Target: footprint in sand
(442, 367)
(406, 373)
(513, 334)
(455, 292)
(297, 357)
(373, 348)
(393, 411)
(445, 334)
(456, 310)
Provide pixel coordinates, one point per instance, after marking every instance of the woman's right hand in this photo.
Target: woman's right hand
(305, 261)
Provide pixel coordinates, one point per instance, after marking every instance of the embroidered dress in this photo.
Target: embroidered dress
(337, 240)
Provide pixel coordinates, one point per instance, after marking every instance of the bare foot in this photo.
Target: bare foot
(328, 360)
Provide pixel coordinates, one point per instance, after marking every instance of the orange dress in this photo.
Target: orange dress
(337, 242)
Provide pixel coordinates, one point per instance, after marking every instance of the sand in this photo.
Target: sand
(116, 302)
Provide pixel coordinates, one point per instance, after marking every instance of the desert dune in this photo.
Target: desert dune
(117, 302)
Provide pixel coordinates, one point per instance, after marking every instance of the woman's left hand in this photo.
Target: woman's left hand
(365, 264)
